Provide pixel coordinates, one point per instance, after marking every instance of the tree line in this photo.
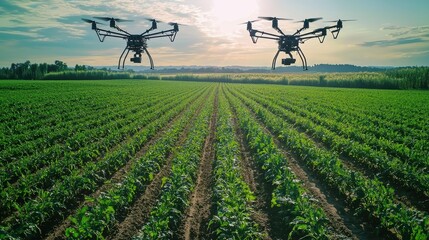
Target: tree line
(393, 78)
(36, 71)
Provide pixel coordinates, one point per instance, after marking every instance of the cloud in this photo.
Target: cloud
(400, 35)
(393, 42)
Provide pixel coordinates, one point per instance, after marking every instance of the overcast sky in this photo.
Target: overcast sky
(386, 33)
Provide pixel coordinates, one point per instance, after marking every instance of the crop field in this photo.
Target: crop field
(152, 159)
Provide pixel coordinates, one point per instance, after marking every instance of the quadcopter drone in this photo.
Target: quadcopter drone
(136, 43)
(290, 43)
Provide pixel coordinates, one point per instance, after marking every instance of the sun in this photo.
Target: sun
(227, 14)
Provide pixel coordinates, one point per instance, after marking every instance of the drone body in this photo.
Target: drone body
(136, 43)
(290, 43)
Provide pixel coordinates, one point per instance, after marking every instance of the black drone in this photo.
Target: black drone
(290, 43)
(135, 42)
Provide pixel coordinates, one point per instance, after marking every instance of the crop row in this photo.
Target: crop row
(298, 213)
(53, 203)
(31, 184)
(166, 216)
(398, 171)
(368, 196)
(62, 129)
(232, 196)
(381, 118)
(356, 129)
(125, 125)
(92, 220)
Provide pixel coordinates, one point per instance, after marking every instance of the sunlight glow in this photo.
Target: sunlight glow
(228, 14)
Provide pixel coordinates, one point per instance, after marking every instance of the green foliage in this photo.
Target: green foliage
(232, 196)
(177, 187)
(123, 194)
(62, 140)
(397, 78)
(295, 208)
(366, 195)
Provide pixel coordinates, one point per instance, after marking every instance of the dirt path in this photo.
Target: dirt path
(200, 207)
(135, 217)
(58, 230)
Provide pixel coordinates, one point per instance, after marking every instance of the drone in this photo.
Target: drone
(290, 43)
(136, 43)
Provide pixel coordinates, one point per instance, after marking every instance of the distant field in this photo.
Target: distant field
(150, 159)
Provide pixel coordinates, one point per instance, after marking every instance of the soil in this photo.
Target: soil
(254, 178)
(199, 211)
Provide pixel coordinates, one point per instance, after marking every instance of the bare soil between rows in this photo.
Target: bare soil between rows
(195, 223)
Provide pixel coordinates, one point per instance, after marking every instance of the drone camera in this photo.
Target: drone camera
(288, 61)
(136, 59)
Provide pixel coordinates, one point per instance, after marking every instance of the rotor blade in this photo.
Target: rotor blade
(267, 18)
(173, 23)
(88, 20)
(122, 20)
(110, 18)
(347, 20)
(153, 20)
(272, 18)
(311, 19)
(250, 21)
(284, 19)
(104, 18)
(91, 21)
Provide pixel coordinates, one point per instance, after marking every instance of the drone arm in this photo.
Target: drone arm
(121, 30)
(147, 31)
(280, 31)
(102, 34)
(255, 37)
(302, 39)
(171, 36)
(161, 34)
(298, 31)
(334, 32)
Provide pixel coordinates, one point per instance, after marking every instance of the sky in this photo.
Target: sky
(385, 33)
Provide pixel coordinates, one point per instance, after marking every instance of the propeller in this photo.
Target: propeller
(153, 20)
(114, 19)
(174, 24)
(273, 18)
(311, 19)
(90, 21)
(250, 22)
(347, 20)
(340, 22)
